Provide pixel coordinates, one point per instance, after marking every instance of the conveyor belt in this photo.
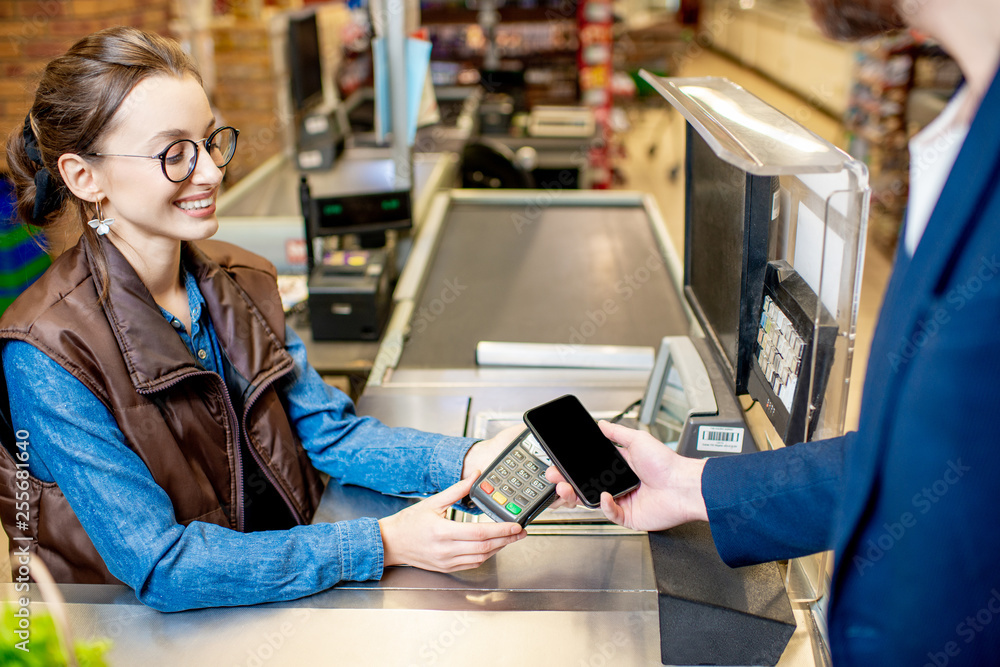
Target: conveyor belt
(553, 274)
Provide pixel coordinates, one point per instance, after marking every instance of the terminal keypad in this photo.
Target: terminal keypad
(779, 351)
(517, 482)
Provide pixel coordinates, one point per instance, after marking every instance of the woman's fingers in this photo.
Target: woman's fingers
(465, 545)
(456, 492)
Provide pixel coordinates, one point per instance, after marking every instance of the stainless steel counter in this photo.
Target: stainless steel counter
(567, 595)
(567, 599)
(561, 601)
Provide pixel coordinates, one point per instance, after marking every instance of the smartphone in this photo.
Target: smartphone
(513, 487)
(587, 459)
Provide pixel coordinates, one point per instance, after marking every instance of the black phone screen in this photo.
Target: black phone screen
(574, 441)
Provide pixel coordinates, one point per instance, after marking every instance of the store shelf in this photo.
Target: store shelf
(779, 39)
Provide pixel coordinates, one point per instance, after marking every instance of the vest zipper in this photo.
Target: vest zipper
(234, 428)
(253, 452)
(235, 424)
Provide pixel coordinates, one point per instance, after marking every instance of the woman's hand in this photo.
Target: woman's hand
(483, 453)
(421, 536)
(669, 491)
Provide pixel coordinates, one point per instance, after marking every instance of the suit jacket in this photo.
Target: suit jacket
(908, 502)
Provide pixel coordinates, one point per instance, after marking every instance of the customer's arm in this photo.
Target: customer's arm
(129, 518)
(775, 505)
(763, 506)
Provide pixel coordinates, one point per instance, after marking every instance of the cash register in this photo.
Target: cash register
(349, 287)
(350, 198)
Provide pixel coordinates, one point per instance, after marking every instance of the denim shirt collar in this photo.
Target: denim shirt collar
(156, 357)
(195, 303)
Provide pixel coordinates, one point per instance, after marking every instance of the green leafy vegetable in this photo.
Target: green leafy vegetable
(43, 648)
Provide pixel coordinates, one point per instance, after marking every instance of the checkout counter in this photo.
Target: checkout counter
(571, 593)
(576, 272)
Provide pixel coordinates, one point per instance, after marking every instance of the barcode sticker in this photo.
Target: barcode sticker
(725, 439)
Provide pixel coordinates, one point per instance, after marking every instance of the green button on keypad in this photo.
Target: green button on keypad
(513, 509)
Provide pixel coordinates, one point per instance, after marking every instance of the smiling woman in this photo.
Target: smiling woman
(183, 454)
(169, 196)
(80, 95)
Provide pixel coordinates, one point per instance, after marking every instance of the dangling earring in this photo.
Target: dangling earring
(100, 223)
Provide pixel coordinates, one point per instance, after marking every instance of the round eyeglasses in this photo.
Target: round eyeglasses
(179, 159)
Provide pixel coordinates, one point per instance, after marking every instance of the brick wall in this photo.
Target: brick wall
(32, 32)
(245, 91)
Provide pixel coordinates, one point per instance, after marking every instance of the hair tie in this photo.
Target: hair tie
(48, 197)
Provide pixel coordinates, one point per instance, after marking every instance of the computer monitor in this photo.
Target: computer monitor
(727, 223)
(304, 61)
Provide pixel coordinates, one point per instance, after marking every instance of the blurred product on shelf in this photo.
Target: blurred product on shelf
(22, 259)
(901, 83)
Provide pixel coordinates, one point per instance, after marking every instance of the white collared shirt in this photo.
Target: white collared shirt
(933, 151)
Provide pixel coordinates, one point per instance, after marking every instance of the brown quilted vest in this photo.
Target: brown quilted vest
(180, 419)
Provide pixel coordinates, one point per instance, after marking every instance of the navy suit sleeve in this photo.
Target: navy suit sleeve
(775, 505)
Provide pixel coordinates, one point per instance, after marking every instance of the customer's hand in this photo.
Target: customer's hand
(669, 491)
(421, 536)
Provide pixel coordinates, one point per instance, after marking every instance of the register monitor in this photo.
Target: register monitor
(304, 61)
(728, 214)
(757, 314)
(776, 292)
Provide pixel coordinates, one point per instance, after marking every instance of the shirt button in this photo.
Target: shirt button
(202, 354)
(176, 324)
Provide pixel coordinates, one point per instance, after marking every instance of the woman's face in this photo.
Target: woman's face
(149, 209)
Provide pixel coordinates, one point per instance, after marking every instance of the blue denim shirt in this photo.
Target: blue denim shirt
(76, 442)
